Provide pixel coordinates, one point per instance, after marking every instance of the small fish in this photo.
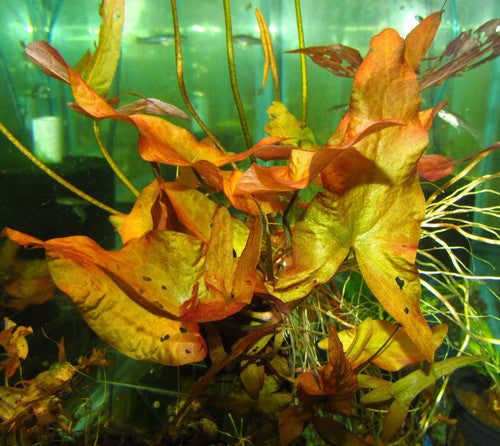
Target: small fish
(342, 108)
(40, 91)
(159, 39)
(71, 201)
(246, 40)
(458, 123)
(77, 205)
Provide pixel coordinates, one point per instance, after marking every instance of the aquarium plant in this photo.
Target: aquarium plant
(296, 271)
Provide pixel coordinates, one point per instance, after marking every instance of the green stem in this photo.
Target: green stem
(206, 187)
(269, 245)
(232, 73)
(111, 163)
(52, 174)
(180, 77)
(303, 69)
(286, 224)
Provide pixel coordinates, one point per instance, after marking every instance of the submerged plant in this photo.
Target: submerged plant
(289, 253)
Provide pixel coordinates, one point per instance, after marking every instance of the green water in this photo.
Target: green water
(148, 68)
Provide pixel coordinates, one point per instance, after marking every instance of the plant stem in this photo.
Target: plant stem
(303, 69)
(232, 74)
(240, 348)
(180, 78)
(54, 175)
(286, 224)
(269, 246)
(111, 163)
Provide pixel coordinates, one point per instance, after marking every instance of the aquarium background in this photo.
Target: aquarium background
(33, 203)
(147, 67)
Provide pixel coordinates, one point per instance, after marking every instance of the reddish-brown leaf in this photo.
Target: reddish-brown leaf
(291, 424)
(335, 383)
(467, 51)
(152, 106)
(336, 433)
(435, 167)
(338, 59)
(48, 59)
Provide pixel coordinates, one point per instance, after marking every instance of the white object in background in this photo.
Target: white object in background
(47, 137)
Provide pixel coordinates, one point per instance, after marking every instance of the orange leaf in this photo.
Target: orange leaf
(159, 140)
(27, 281)
(174, 206)
(150, 212)
(126, 296)
(196, 212)
(228, 287)
(303, 165)
(219, 264)
(13, 340)
(270, 202)
(372, 202)
(245, 275)
(419, 39)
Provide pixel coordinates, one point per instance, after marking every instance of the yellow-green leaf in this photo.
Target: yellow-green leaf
(407, 388)
(284, 125)
(384, 344)
(98, 69)
(372, 201)
(126, 296)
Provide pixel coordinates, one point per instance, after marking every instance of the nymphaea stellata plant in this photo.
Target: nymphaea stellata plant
(317, 251)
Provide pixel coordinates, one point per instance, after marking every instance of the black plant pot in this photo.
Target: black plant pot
(470, 430)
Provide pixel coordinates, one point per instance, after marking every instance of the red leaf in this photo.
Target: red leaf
(435, 167)
(336, 383)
